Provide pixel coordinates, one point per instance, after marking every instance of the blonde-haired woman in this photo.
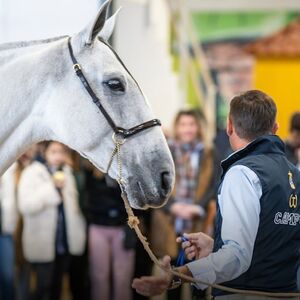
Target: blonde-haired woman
(192, 205)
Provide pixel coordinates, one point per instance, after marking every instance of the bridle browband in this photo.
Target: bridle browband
(124, 133)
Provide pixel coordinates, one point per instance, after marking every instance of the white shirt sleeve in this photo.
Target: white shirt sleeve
(239, 203)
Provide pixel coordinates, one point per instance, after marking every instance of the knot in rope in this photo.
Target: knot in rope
(133, 221)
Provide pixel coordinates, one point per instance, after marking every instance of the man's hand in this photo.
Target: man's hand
(199, 245)
(154, 285)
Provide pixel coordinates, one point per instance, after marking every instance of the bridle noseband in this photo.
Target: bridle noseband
(121, 132)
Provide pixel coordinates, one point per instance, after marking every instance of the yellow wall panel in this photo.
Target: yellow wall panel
(280, 78)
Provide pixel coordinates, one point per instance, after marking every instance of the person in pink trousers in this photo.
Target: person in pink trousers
(111, 241)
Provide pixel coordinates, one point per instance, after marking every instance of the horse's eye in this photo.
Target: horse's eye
(115, 85)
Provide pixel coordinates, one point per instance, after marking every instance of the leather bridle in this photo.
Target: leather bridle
(121, 132)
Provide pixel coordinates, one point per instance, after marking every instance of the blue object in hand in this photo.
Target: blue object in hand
(180, 259)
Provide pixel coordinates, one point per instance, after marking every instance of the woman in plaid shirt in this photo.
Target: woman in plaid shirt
(192, 205)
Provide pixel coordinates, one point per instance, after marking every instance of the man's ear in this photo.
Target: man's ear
(275, 128)
(229, 126)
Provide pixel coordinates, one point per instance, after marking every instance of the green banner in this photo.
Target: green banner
(211, 26)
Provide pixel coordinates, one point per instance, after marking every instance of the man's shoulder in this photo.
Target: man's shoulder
(241, 176)
(240, 171)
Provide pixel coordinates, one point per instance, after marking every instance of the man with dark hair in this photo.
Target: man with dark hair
(253, 114)
(257, 238)
(292, 143)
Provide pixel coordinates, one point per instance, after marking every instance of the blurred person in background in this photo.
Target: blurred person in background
(298, 157)
(292, 149)
(292, 143)
(54, 228)
(222, 151)
(10, 230)
(79, 263)
(192, 206)
(111, 242)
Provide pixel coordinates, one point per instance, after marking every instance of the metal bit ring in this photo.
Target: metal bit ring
(118, 138)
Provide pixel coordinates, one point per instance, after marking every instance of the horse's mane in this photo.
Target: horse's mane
(22, 44)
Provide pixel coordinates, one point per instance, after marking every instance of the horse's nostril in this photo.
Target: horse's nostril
(166, 183)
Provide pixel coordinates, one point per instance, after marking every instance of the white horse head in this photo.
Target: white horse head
(52, 103)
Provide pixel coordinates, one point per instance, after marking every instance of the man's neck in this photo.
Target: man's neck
(239, 144)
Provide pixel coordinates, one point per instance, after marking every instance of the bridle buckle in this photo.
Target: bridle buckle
(118, 138)
(77, 67)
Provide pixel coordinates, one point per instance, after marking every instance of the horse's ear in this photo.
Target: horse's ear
(97, 24)
(108, 27)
